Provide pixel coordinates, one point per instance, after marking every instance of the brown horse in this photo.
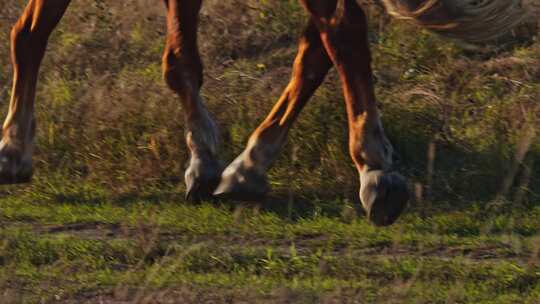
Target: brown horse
(335, 36)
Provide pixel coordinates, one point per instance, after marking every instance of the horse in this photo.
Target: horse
(336, 36)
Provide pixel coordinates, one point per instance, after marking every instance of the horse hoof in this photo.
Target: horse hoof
(243, 185)
(202, 178)
(384, 196)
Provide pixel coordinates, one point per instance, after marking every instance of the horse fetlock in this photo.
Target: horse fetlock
(370, 148)
(203, 140)
(202, 132)
(372, 152)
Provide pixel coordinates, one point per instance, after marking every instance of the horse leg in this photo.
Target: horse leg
(29, 38)
(245, 177)
(344, 34)
(182, 70)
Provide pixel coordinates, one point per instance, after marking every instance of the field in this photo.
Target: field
(105, 220)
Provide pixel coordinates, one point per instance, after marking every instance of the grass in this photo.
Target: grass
(125, 249)
(80, 249)
(105, 218)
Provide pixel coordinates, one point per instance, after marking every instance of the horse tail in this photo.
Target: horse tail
(468, 20)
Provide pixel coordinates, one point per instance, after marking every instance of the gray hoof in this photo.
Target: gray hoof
(242, 185)
(202, 178)
(384, 196)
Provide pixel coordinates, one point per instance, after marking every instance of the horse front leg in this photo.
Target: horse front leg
(383, 193)
(29, 38)
(245, 177)
(183, 72)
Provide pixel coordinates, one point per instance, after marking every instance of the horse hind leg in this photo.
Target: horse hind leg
(245, 177)
(383, 193)
(29, 38)
(183, 72)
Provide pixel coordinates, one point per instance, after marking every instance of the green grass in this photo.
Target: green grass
(79, 248)
(105, 218)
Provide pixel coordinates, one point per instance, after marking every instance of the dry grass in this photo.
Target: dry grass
(106, 206)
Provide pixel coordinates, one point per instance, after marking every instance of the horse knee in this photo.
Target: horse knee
(182, 72)
(21, 40)
(25, 45)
